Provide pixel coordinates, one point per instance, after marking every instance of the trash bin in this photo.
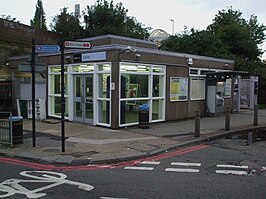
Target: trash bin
(17, 129)
(144, 116)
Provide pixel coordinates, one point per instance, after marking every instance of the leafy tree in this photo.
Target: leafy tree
(229, 36)
(68, 25)
(106, 18)
(39, 20)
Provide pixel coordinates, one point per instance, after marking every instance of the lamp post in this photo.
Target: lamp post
(173, 27)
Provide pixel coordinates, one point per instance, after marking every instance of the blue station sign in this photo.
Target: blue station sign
(47, 48)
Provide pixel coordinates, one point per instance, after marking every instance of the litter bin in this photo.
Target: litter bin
(144, 116)
(17, 129)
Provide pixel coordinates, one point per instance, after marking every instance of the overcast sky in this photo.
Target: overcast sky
(152, 13)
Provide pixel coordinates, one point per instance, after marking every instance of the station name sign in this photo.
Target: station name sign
(76, 44)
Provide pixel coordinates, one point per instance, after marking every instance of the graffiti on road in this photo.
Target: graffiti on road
(13, 186)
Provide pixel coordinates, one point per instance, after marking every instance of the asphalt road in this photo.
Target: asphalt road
(225, 168)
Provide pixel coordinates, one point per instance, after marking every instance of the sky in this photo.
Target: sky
(156, 14)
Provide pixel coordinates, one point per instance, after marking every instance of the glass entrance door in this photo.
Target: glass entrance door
(83, 98)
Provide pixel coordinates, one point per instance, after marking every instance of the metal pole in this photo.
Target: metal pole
(256, 111)
(62, 46)
(197, 123)
(227, 118)
(173, 26)
(33, 93)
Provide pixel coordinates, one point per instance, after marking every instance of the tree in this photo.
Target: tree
(39, 20)
(68, 25)
(107, 18)
(229, 36)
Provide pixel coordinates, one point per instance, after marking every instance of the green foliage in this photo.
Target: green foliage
(107, 18)
(229, 36)
(68, 25)
(39, 20)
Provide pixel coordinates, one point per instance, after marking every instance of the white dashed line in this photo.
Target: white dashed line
(231, 172)
(150, 162)
(182, 170)
(232, 166)
(139, 168)
(186, 164)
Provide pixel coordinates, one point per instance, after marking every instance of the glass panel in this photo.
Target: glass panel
(130, 111)
(78, 109)
(197, 90)
(157, 109)
(193, 71)
(158, 69)
(104, 67)
(103, 112)
(89, 86)
(134, 86)
(89, 110)
(55, 106)
(157, 86)
(104, 85)
(57, 69)
(83, 68)
(55, 84)
(78, 87)
(134, 68)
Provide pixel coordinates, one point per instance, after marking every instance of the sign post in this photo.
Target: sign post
(33, 93)
(62, 47)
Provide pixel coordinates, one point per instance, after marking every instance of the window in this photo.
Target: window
(141, 84)
(197, 89)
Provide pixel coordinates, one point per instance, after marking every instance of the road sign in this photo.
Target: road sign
(47, 48)
(26, 67)
(76, 44)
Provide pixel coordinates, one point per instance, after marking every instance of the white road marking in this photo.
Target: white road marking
(232, 166)
(13, 186)
(186, 164)
(139, 168)
(263, 168)
(111, 198)
(182, 170)
(231, 172)
(150, 162)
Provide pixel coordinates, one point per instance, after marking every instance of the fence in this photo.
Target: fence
(6, 136)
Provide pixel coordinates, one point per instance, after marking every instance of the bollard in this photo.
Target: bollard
(197, 123)
(256, 110)
(227, 118)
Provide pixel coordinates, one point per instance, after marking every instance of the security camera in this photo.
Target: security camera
(131, 49)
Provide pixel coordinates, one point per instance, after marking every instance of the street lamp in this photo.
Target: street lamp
(173, 28)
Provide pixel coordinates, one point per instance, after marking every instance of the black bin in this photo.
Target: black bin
(144, 116)
(17, 130)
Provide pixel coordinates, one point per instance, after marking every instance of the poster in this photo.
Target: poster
(228, 88)
(178, 88)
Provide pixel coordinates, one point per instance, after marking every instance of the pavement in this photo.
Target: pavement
(86, 144)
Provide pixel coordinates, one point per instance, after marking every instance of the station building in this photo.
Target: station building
(105, 85)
